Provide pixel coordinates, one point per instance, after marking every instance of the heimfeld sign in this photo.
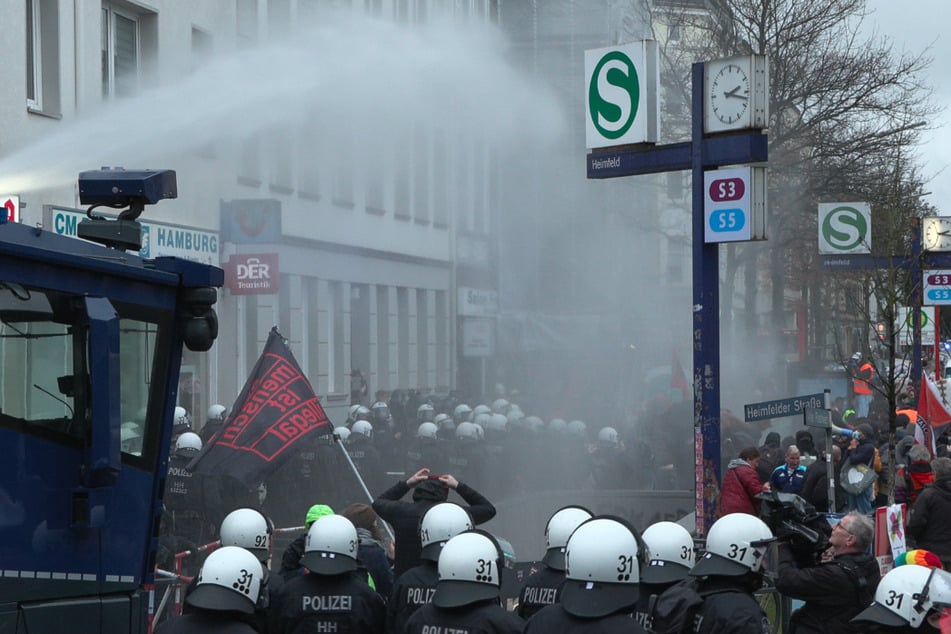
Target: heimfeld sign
(845, 228)
(622, 96)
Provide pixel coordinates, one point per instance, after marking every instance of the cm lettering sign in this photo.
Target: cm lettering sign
(845, 228)
(253, 274)
(622, 98)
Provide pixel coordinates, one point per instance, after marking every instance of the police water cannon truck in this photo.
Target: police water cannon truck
(91, 340)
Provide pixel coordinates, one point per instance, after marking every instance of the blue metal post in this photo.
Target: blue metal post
(706, 334)
(916, 303)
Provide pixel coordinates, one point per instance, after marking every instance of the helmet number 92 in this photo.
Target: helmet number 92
(736, 552)
(261, 541)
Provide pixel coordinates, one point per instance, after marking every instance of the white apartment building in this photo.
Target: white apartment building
(369, 243)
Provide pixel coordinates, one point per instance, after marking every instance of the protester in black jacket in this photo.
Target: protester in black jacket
(815, 488)
(405, 517)
(837, 590)
(928, 521)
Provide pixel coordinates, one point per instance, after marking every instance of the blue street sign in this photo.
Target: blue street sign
(783, 407)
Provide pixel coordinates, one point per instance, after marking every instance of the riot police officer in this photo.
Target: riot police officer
(365, 456)
(416, 586)
(215, 421)
(670, 556)
(190, 498)
(602, 576)
(468, 590)
(329, 597)
(541, 587)
(425, 451)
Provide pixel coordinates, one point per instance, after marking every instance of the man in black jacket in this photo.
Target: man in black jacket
(928, 521)
(405, 517)
(837, 590)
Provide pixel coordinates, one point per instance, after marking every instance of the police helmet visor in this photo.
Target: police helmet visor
(327, 563)
(878, 613)
(454, 593)
(590, 599)
(661, 572)
(212, 597)
(713, 564)
(555, 558)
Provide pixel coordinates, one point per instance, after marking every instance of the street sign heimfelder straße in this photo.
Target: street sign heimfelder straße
(783, 407)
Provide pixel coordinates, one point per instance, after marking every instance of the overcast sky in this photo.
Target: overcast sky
(914, 25)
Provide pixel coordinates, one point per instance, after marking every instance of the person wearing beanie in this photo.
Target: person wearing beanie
(404, 517)
(371, 552)
(918, 557)
(290, 560)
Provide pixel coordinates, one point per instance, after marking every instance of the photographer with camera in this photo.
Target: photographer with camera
(836, 590)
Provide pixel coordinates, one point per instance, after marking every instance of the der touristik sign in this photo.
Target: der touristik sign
(253, 274)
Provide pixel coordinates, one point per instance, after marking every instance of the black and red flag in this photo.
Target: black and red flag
(276, 410)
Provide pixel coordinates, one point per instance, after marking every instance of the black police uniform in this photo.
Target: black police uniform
(366, 458)
(482, 617)
(200, 621)
(327, 603)
(539, 590)
(642, 609)
(189, 497)
(554, 618)
(426, 453)
(728, 607)
(414, 588)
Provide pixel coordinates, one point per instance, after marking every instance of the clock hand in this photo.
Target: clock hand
(734, 95)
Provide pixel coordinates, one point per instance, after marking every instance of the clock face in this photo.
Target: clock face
(730, 94)
(936, 233)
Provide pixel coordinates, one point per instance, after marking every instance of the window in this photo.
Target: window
(42, 57)
(120, 53)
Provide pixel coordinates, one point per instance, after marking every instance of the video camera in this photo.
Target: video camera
(793, 518)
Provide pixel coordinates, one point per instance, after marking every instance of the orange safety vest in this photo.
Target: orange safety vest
(860, 386)
(910, 413)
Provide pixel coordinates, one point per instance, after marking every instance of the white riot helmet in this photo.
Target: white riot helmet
(736, 545)
(441, 523)
(670, 553)
(180, 421)
(248, 529)
(229, 580)
(427, 430)
(342, 432)
(557, 426)
(470, 570)
(514, 416)
(467, 431)
(577, 428)
(352, 412)
(500, 406)
(497, 423)
(462, 412)
(217, 412)
(331, 546)
(601, 568)
(480, 431)
(901, 598)
(482, 419)
(425, 413)
(533, 423)
(130, 438)
(560, 526)
(362, 428)
(362, 413)
(608, 437)
(441, 418)
(481, 409)
(188, 444)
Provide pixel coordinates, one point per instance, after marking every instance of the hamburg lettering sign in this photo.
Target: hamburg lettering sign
(253, 274)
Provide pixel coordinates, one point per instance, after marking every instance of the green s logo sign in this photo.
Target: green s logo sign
(845, 228)
(613, 95)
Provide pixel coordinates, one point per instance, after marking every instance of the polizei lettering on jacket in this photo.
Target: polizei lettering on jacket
(420, 596)
(327, 603)
(540, 596)
(439, 629)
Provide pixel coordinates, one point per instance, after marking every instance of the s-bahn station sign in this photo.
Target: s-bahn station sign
(622, 98)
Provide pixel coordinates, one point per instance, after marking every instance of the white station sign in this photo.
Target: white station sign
(622, 98)
(734, 206)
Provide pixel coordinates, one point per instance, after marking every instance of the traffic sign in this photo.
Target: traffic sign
(845, 228)
(936, 287)
(783, 407)
(622, 97)
(734, 204)
(815, 417)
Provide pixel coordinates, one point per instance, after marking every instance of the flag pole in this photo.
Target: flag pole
(363, 485)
